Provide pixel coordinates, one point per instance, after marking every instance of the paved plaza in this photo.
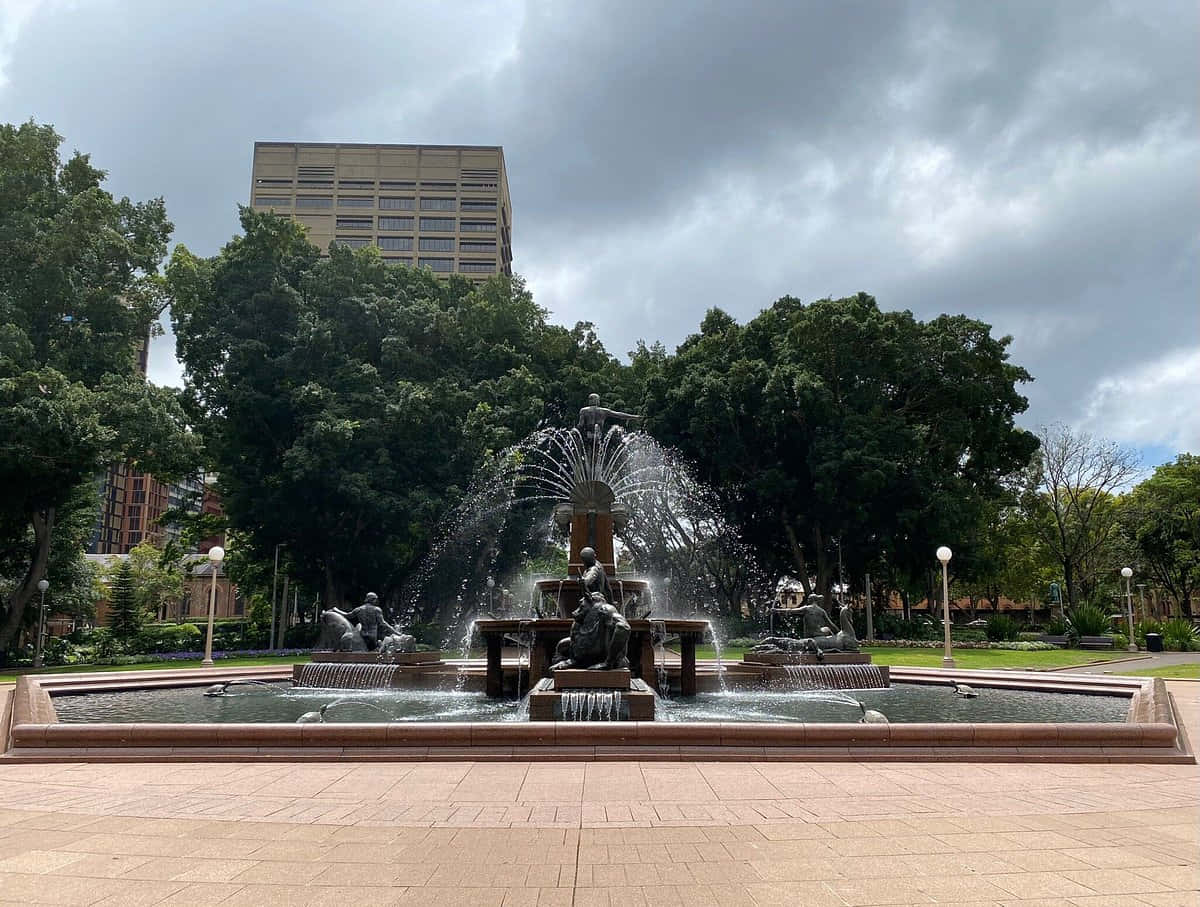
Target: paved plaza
(603, 833)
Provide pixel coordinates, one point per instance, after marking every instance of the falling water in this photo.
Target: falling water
(658, 636)
(331, 675)
(591, 705)
(716, 642)
(834, 677)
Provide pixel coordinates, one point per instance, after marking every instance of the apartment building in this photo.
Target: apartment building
(445, 207)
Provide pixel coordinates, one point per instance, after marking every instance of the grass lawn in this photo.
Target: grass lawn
(964, 658)
(1182, 672)
(11, 677)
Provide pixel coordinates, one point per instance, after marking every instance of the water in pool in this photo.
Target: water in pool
(281, 703)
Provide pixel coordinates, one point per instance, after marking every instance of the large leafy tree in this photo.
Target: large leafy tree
(1160, 519)
(78, 293)
(836, 425)
(347, 404)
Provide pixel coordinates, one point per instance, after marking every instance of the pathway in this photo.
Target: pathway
(604, 833)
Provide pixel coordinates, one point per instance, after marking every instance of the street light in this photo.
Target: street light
(216, 554)
(944, 554)
(42, 586)
(1127, 572)
(491, 584)
(274, 587)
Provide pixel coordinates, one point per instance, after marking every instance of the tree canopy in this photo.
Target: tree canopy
(347, 403)
(1160, 519)
(836, 424)
(78, 294)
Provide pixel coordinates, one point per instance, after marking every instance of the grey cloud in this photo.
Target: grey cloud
(1031, 164)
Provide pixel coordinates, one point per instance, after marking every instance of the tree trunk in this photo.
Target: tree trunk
(43, 526)
(797, 555)
(1069, 582)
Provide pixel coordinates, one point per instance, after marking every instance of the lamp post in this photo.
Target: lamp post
(1127, 572)
(491, 584)
(42, 586)
(216, 554)
(944, 554)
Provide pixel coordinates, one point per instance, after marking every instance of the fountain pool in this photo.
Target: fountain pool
(901, 703)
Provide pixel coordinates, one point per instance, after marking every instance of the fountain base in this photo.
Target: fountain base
(372, 658)
(633, 702)
(806, 658)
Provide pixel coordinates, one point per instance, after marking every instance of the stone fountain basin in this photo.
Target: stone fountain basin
(1150, 733)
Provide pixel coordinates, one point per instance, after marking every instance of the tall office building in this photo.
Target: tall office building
(445, 207)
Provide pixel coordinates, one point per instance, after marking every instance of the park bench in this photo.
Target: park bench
(1060, 641)
(1095, 642)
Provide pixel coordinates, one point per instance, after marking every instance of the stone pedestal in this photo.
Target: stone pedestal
(546, 702)
(578, 679)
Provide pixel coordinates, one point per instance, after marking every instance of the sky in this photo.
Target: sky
(1035, 165)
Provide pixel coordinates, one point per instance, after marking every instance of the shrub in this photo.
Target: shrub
(1149, 625)
(1057, 626)
(1178, 633)
(1030, 637)
(968, 634)
(1088, 620)
(1002, 628)
(167, 638)
(1120, 641)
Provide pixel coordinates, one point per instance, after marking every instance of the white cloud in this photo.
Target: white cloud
(13, 14)
(1156, 401)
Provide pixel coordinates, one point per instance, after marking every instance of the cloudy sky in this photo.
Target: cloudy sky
(1032, 164)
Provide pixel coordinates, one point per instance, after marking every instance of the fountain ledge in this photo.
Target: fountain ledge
(1150, 733)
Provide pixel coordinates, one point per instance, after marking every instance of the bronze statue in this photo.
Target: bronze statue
(595, 579)
(823, 640)
(599, 637)
(370, 620)
(593, 416)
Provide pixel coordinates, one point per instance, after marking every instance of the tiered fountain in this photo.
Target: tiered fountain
(594, 660)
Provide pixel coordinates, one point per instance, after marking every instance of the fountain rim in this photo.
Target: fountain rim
(1151, 732)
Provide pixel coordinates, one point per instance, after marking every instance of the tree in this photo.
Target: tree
(1069, 500)
(838, 425)
(346, 403)
(158, 584)
(78, 293)
(1160, 519)
(127, 616)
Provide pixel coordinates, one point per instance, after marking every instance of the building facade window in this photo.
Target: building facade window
(468, 246)
(315, 184)
(438, 264)
(438, 224)
(436, 244)
(355, 201)
(314, 201)
(395, 223)
(354, 242)
(397, 184)
(473, 204)
(397, 260)
(477, 267)
(354, 223)
(397, 204)
(437, 204)
(356, 184)
(396, 243)
(265, 181)
(437, 184)
(273, 201)
(479, 226)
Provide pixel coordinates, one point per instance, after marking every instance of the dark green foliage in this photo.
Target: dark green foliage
(126, 616)
(1160, 519)
(1179, 634)
(347, 404)
(168, 638)
(1057, 626)
(1002, 628)
(1089, 620)
(838, 421)
(78, 292)
(1149, 625)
